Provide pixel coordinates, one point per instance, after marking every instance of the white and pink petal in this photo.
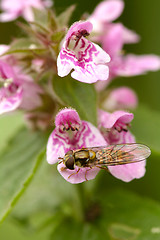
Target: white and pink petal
(78, 175)
(87, 59)
(12, 102)
(128, 172)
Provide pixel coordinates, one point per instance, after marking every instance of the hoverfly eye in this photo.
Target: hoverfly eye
(70, 162)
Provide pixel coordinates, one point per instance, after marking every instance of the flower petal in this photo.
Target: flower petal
(112, 41)
(71, 133)
(87, 59)
(108, 11)
(128, 172)
(132, 65)
(67, 116)
(10, 103)
(78, 26)
(120, 98)
(108, 120)
(78, 175)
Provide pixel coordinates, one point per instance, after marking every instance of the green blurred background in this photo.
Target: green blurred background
(144, 18)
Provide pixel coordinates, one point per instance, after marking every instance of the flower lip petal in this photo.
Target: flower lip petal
(132, 65)
(78, 175)
(128, 172)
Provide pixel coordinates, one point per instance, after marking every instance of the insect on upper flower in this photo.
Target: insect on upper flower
(86, 58)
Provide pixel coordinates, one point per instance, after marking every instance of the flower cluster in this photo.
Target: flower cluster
(92, 50)
(73, 133)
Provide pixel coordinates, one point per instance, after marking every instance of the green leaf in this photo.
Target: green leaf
(23, 45)
(18, 164)
(146, 127)
(122, 216)
(40, 16)
(47, 196)
(124, 232)
(64, 17)
(127, 216)
(8, 129)
(81, 96)
(57, 36)
(76, 230)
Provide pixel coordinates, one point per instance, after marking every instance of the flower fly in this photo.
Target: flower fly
(102, 157)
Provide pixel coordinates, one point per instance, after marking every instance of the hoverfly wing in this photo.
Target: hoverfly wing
(122, 154)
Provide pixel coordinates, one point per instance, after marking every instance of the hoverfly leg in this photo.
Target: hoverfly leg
(63, 168)
(87, 171)
(74, 173)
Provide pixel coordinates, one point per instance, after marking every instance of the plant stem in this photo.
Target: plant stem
(81, 201)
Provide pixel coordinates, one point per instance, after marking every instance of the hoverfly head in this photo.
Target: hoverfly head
(69, 160)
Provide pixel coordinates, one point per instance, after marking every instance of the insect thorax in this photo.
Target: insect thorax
(84, 157)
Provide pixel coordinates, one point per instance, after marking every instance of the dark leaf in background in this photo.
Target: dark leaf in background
(146, 127)
(81, 96)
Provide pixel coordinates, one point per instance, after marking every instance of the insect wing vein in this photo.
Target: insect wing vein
(121, 154)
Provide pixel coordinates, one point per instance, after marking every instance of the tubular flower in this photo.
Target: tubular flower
(114, 128)
(126, 65)
(11, 91)
(72, 133)
(106, 12)
(17, 90)
(112, 37)
(120, 98)
(86, 58)
(14, 9)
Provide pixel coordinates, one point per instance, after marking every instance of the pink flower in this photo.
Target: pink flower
(112, 37)
(126, 65)
(72, 133)
(10, 92)
(120, 98)
(106, 12)
(86, 58)
(15, 8)
(132, 65)
(114, 128)
(17, 90)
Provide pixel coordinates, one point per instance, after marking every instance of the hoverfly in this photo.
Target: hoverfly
(102, 157)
